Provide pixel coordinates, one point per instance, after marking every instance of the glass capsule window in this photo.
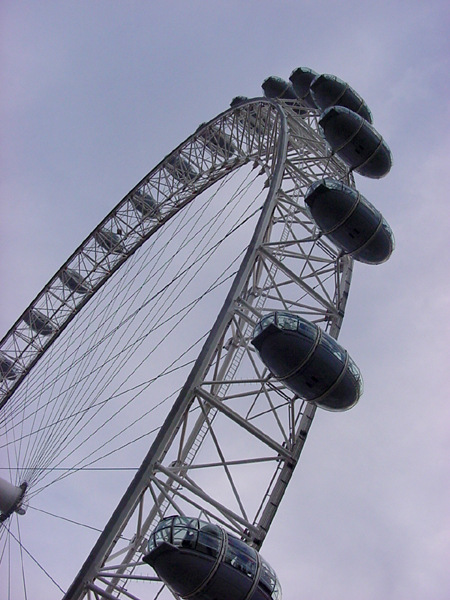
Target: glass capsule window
(333, 347)
(354, 370)
(337, 79)
(388, 230)
(366, 202)
(353, 193)
(307, 329)
(161, 534)
(334, 185)
(268, 320)
(209, 539)
(185, 522)
(257, 330)
(186, 532)
(287, 321)
(265, 322)
(268, 581)
(206, 538)
(276, 594)
(241, 557)
(337, 186)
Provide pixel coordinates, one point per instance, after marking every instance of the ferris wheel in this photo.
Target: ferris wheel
(196, 326)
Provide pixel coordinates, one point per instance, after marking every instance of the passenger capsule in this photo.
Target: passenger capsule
(74, 281)
(248, 116)
(238, 100)
(7, 370)
(109, 241)
(328, 90)
(350, 221)
(180, 168)
(301, 80)
(308, 361)
(217, 140)
(144, 203)
(39, 322)
(357, 142)
(201, 561)
(275, 87)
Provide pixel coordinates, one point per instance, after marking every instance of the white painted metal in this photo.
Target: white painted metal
(290, 270)
(230, 443)
(10, 496)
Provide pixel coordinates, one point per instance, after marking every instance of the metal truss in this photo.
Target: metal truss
(230, 443)
(215, 150)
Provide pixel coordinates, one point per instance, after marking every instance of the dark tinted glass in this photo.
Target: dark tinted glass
(241, 557)
(209, 539)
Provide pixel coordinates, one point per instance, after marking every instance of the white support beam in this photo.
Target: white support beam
(231, 414)
(201, 494)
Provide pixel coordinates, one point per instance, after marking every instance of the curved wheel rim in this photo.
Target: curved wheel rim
(333, 306)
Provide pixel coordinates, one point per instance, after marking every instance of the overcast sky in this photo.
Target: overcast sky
(95, 93)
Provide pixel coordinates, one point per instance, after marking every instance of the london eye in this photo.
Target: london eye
(197, 326)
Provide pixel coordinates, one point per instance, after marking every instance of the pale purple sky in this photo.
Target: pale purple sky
(94, 94)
